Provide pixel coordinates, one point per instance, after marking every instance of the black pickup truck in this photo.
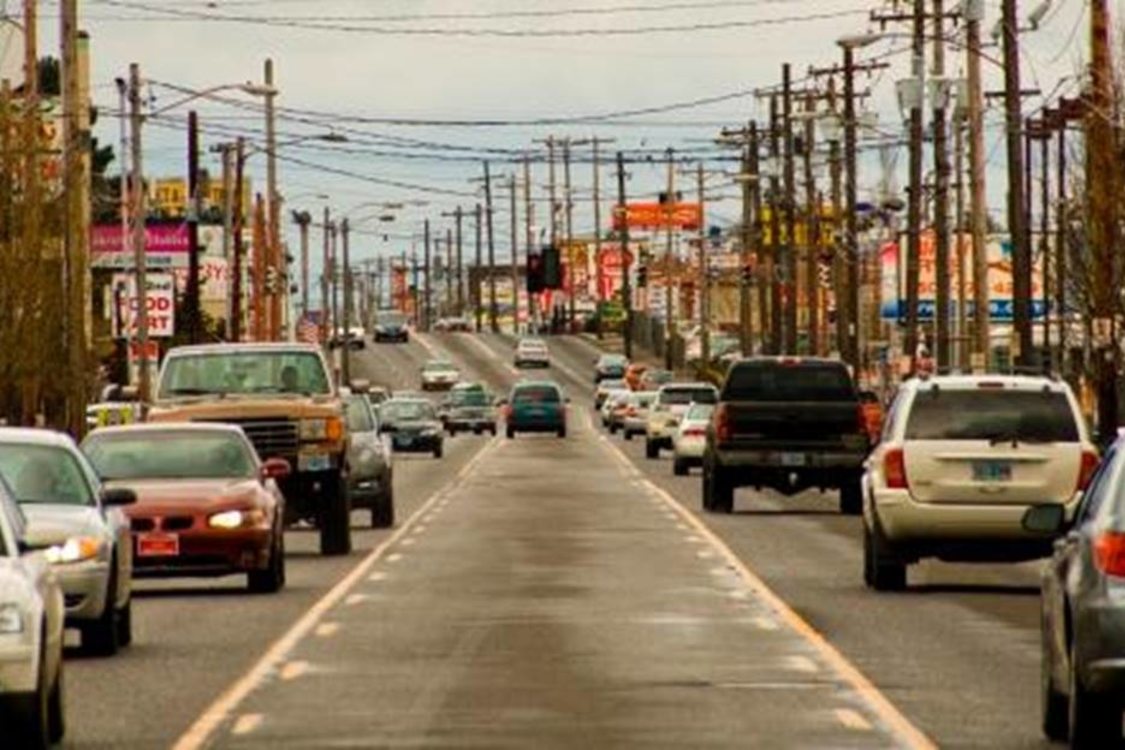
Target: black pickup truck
(787, 423)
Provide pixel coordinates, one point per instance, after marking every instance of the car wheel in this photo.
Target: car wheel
(851, 497)
(628, 435)
(270, 580)
(101, 636)
(1055, 706)
(510, 433)
(56, 710)
(888, 573)
(452, 432)
(718, 492)
(652, 450)
(439, 450)
(335, 517)
(492, 430)
(383, 512)
(125, 623)
(868, 567)
(562, 432)
(1095, 720)
(32, 713)
(679, 467)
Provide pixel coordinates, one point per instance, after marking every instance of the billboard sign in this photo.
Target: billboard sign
(166, 247)
(161, 304)
(653, 216)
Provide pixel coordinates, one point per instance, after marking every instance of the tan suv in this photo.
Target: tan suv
(960, 461)
(282, 397)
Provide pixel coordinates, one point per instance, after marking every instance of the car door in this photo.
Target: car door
(118, 524)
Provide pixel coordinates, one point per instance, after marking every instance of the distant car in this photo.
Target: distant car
(536, 407)
(391, 325)
(355, 336)
(633, 374)
(1083, 609)
(69, 511)
(672, 402)
(653, 378)
(690, 439)
(604, 388)
(532, 353)
(961, 460)
(439, 374)
(413, 426)
(470, 410)
(610, 367)
(32, 710)
(453, 325)
(612, 400)
(371, 473)
(206, 504)
(377, 395)
(636, 416)
(617, 405)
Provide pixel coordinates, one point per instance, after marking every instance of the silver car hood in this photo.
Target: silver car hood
(49, 524)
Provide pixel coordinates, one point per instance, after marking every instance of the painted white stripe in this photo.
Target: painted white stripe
(293, 669)
(853, 720)
(246, 724)
(327, 629)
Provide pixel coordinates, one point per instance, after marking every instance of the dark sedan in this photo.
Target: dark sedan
(1083, 610)
(413, 425)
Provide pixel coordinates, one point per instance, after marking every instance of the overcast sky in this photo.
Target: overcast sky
(503, 60)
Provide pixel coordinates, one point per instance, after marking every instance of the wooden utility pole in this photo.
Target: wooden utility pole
(571, 275)
(427, 255)
(140, 258)
(914, 205)
(493, 324)
(812, 231)
(963, 338)
(459, 218)
(775, 342)
(326, 269)
(515, 255)
(345, 339)
(851, 346)
(626, 265)
(1017, 226)
(303, 219)
(941, 193)
(669, 296)
(789, 206)
(978, 208)
(191, 292)
(599, 279)
(529, 237)
(704, 272)
(274, 253)
(478, 309)
(238, 221)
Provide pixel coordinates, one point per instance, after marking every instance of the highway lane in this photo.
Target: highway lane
(550, 597)
(193, 637)
(958, 652)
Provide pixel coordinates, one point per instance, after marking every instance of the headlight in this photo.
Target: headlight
(75, 549)
(11, 619)
(228, 519)
(321, 429)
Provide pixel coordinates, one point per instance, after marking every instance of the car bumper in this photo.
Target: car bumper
(416, 443)
(689, 449)
(1100, 642)
(210, 553)
(537, 425)
(474, 423)
(523, 362)
(85, 586)
(18, 666)
(634, 425)
(438, 385)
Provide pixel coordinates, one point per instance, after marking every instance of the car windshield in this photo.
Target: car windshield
(470, 398)
(407, 411)
(438, 367)
(801, 381)
(612, 360)
(244, 372)
(681, 396)
(536, 394)
(148, 454)
(992, 414)
(613, 385)
(44, 474)
(391, 319)
(659, 377)
(359, 414)
(699, 412)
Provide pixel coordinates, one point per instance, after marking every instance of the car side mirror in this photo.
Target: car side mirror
(118, 496)
(275, 468)
(1048, 519)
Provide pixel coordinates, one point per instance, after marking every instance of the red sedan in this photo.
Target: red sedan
(206, 505)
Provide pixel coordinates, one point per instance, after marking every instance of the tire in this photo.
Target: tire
(272, 579)
(125, 623)
(383, 512)
(612, 428)
(101, 637)
(562, 432)
(652, 450)
(32, 713)
(718, 491)
(335, 517)
(1095, 720)
(439, 450)
(679, 468)
(492, 430)
(451, 432)
(887, 572)
(851, 497)
(56, 709)
(1055, 705)
(510, 433)
(628, 435)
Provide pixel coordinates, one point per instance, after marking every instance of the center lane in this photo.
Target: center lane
(552, 597)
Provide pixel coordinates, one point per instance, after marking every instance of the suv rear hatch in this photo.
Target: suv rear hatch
(993, 444)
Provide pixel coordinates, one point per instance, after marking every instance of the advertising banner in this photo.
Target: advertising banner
(653, 216)
(166, 247)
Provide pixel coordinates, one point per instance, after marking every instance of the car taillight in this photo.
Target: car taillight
(631, 411)
(1109, 553)
(894, 469)
(695, 432)
(861, 418)
(724, 430)
(1086, 469)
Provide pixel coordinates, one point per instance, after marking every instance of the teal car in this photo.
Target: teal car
(536, 407)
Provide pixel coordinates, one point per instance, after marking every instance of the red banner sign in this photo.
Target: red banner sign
(686, 216)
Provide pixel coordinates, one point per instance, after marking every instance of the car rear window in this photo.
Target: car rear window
(536, 395)
(986, 414)
(676, 396)
(776, 381)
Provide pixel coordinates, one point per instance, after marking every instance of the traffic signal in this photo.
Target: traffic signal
(552, 268)
(642, 276)
(535, 280)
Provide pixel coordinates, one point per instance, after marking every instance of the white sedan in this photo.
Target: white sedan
(690, 438)
(31, 637)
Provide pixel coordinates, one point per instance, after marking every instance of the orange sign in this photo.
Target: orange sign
(658, 216)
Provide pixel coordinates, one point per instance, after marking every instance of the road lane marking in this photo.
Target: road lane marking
(377, 576)
(293, 669)
(407, 542)
(246, 724)
(327, 629)
(418, 529)
(492, 354)
(853, 720)
(199, 733)
(354, 599)
(802, 664)
(766, 623)
(910, 735)
(393, 558)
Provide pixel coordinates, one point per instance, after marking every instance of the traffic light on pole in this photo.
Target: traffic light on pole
(552, 268)
(535, 276)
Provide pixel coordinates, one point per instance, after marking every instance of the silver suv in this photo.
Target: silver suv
(960, 461)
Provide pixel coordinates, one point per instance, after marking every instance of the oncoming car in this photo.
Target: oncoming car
(439, 374)
(413, 426)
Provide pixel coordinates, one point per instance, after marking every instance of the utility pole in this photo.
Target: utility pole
(978, 208)
(569, 218)
(191, 293)
(274, 255)
(626, 270)
(753, 233)
(476, 290)
(914, 205)
(789, 324)
(428, 259)
(326, 269)
(941, 192)
(335, 278)
(303, 219)
(493, 325)
(669, 296)
(449, 268)
(704, 273)
(238, 221)
(775, 341)
(515, 256)
(1017, 227)
(841, 251)
(963, 339)
(227, 156)
(345, 345)
(812, 231)
(529, 238)
(851, 228)
(139, 251)
(599, 276)
(459, 217)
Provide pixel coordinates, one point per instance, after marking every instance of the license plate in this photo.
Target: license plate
(158, 545)
(314, 462)
(792, 459)
(992, 471)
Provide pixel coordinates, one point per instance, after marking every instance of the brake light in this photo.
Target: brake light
(861, 418)
(724, 430)
(1109, 553)
(631, 411)
(894, 469)
(694, 432)
(1086, 469)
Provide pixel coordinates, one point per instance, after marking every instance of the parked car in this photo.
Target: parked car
(636, 415)
(413, 426)
(532, 353)
(391, 325)
(439, 374)
(371, 471)
(789, 424)
(1083, 609)
(610, 367)
(961, 460)
(690, 439)
(536, 407)
(32, 613)
(206, 504)
(672, 402)
(78, 520)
